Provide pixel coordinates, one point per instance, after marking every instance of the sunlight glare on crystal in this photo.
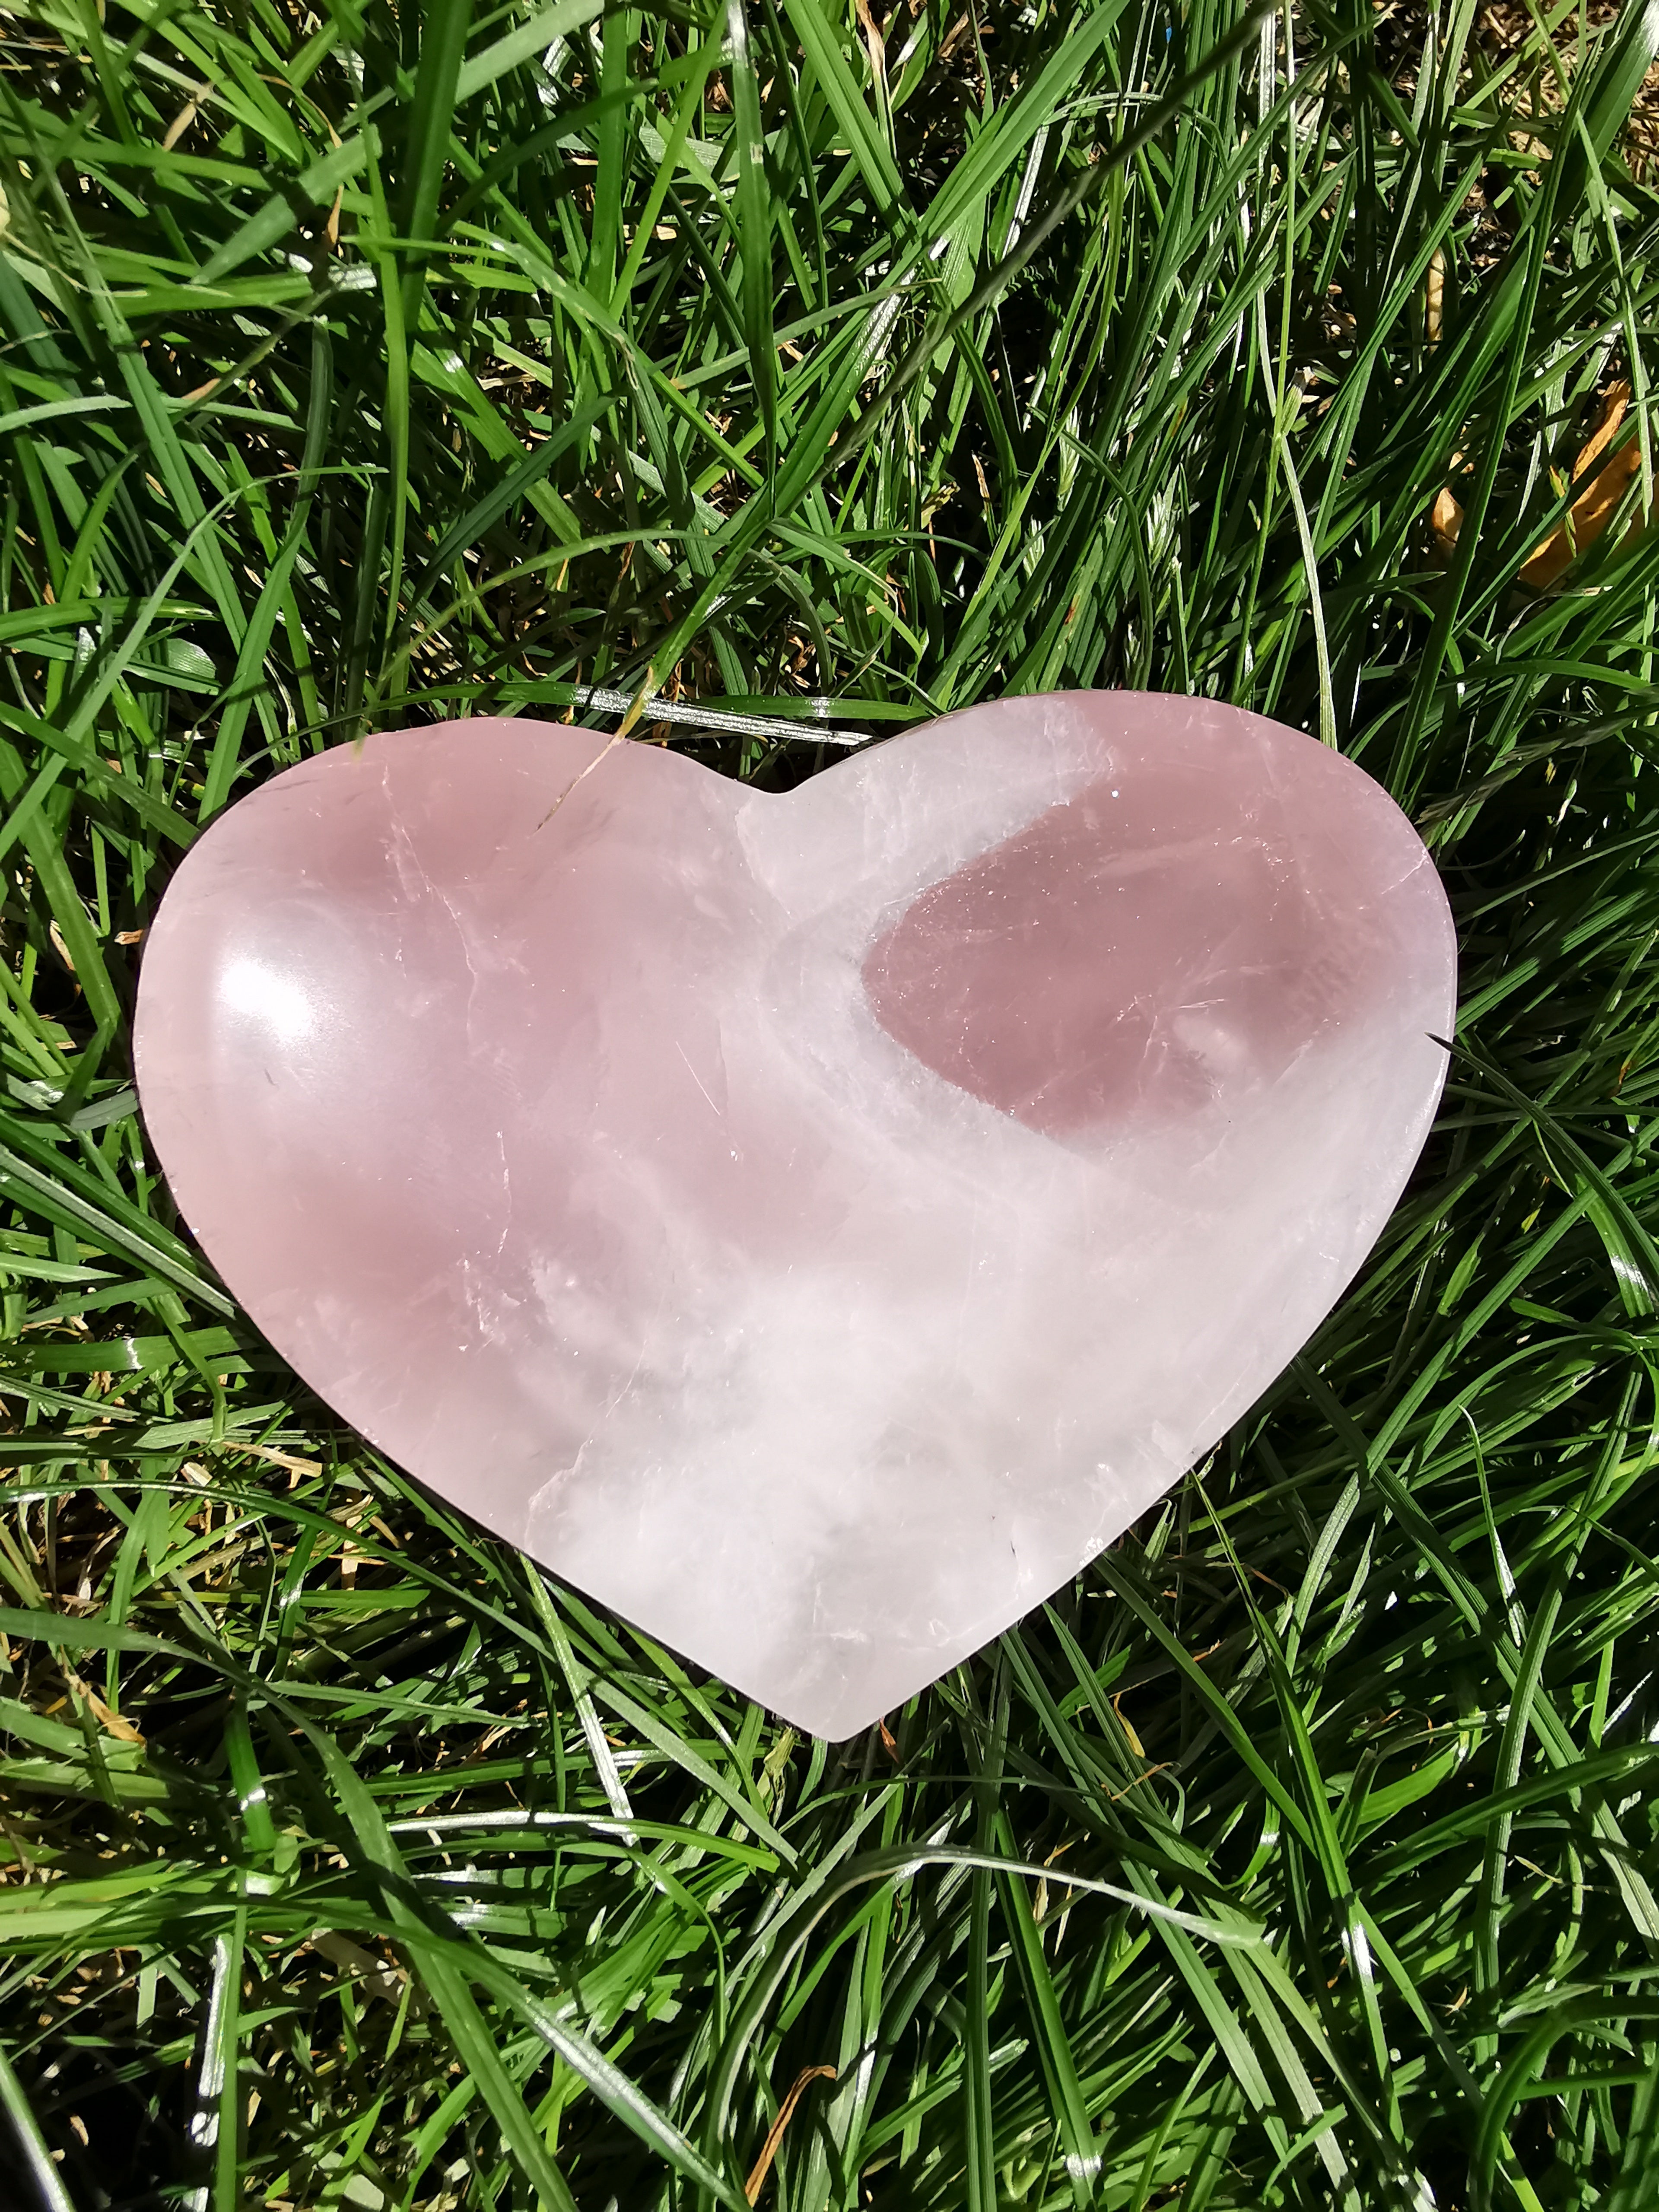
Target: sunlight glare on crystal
(259, 994)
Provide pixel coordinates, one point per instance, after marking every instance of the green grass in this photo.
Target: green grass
(360, 368)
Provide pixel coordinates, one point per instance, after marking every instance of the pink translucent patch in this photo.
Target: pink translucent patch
(1127, 957)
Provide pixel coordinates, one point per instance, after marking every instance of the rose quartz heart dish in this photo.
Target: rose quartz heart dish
(812, 1224)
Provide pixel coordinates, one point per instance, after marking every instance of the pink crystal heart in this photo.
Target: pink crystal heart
(812, 1224)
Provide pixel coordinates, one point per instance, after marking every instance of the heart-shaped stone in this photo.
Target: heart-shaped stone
(813, 1225)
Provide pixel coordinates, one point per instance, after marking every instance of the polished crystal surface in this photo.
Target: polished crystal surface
(812, 1224)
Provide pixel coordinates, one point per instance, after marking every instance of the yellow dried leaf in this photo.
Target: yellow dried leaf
(1594, 507)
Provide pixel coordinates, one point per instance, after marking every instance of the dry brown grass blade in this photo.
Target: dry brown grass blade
(111, 1722)
(271, 1458)
(753, 2187)
(182, 121)
(876, 46)
(1434, 301)
(372, 1974)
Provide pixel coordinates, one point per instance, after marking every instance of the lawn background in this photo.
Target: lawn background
(361, 366)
